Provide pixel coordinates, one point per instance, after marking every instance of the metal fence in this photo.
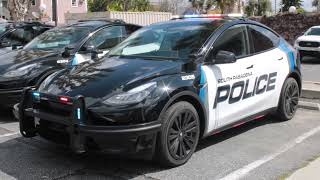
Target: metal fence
(140, 18)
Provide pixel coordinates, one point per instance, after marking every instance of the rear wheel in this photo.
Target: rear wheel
(179, 135)
(289, 99)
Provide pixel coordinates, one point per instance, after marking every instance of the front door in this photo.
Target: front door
(230, 86)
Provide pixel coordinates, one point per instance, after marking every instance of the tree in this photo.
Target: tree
(288, 3)
(98, 5)
(316, 3)
(18, 9)
(257, 7)
(129, 5)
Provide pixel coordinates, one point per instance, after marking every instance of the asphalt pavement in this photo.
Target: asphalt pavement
(262, 149)
(311, 69)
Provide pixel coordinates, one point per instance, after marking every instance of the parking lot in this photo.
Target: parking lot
(262, 149)
(311, 69)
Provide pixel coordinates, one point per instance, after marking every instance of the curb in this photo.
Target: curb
(310, 94)
(310, 90)
(309, 105)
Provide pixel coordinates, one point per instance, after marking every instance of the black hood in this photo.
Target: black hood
(107, 76)
(19, 58)
(5, 50)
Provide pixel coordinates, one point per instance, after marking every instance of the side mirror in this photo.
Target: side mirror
(91, 49)
(67, 51)
(17, 46)
(225, 57)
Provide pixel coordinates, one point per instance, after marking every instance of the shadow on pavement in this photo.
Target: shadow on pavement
(36, 158)
(6, 116)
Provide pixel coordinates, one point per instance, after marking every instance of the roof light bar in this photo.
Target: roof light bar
(234, 15)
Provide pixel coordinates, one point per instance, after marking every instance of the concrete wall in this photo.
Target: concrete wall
(140, 18)
(290, 26)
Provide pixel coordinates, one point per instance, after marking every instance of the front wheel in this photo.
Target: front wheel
(289, 98)
(179, 135)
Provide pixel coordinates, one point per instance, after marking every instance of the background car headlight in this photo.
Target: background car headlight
(20, 71)
(135, 95)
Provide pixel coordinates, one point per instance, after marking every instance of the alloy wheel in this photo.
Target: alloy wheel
(182, 135)
(291, 99)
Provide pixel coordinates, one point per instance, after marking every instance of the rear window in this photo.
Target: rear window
(262, 38)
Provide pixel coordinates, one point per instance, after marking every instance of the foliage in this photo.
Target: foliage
(98, 5)
(129, 5)
(118, 5)
(257, 8)
(300, 10)
(316, 3)
(288, 3)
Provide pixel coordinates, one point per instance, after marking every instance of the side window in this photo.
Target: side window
(262, 38)
(234, 40)
(106, 38)
(18, 37)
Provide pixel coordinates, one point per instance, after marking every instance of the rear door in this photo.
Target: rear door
(271, 67)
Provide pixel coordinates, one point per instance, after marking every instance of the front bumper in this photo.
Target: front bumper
(309, 53)
(138, 139)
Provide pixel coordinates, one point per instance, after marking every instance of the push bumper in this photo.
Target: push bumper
(137, 139)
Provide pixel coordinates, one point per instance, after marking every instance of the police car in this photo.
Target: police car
(167, 86)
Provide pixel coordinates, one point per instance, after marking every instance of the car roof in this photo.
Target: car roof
(11, 25)
(187, 21)
(97, 23)
(315, 27)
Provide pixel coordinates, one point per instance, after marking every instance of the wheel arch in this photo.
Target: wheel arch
(295, 75)
(194, 100)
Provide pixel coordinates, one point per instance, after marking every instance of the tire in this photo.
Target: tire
(289, 98)
(182, 137)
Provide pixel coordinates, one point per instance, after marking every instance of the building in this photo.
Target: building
(45, 8)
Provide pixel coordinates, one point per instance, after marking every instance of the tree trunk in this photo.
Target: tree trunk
(18, 9)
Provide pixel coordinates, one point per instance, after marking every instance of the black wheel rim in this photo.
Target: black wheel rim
(182, 135)
(291, 99)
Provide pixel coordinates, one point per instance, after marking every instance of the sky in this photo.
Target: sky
(307, 4)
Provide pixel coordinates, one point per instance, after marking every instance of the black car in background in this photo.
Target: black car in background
(54, 50)
(15, 35)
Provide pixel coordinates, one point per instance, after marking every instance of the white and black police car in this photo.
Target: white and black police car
(167, 86)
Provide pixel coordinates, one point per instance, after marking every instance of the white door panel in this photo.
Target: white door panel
(237, 78)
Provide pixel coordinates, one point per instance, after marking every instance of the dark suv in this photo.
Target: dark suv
(15, 35)
(55, 50)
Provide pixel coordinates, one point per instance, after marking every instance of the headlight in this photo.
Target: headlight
(20, 71)
(135, 95)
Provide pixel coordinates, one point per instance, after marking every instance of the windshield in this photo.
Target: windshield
(313, 31)
(167, 41)
(58, 38)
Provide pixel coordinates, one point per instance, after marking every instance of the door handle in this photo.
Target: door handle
(250, 67)
(280, 59)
